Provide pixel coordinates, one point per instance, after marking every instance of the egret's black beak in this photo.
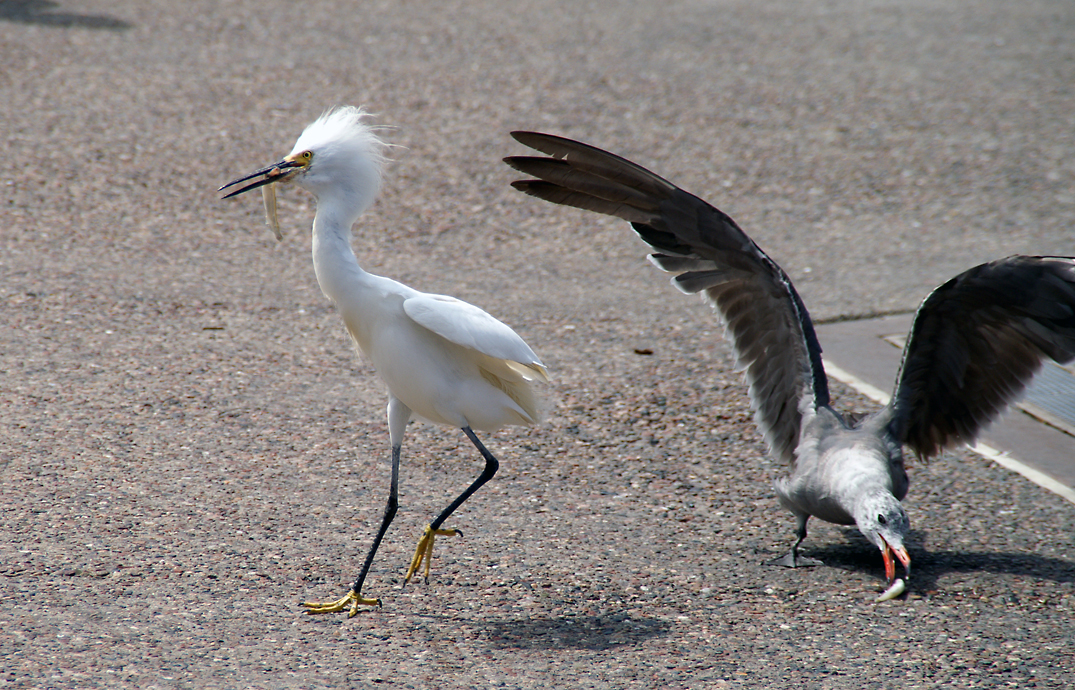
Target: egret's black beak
(277, 172)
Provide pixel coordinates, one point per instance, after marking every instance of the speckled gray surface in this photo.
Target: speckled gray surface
(189, 447)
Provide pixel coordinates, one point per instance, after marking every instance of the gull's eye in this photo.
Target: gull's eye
(882, 520)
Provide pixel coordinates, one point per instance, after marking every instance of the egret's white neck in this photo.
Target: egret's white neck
(335, 264)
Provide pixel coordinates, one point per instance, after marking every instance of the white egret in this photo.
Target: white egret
(975, 344)
(442, 359)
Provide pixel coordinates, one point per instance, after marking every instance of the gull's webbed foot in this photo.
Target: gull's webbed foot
(792, 559)
(424, 552)
(352, 600)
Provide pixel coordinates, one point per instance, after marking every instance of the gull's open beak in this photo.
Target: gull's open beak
(890, 564)
(277, 172)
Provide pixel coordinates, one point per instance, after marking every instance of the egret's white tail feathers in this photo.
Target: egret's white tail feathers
(516, 381)
(530, 372)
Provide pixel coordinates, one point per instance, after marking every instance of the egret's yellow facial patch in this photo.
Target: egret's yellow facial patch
(302, 158)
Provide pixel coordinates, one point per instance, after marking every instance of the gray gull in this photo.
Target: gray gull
(975, 344)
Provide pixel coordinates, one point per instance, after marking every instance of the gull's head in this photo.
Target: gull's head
(881, 518)
(337, 156)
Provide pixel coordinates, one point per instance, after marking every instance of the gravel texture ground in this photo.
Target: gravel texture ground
(189, 446)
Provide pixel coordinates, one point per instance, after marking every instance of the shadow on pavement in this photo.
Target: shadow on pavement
(928, 566)
(937, 563)
(41, 12)
(584, 632)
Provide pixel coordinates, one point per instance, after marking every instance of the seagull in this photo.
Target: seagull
(975, 344)
(442, 359)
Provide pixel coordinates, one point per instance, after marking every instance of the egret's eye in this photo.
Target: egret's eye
(882, 520)
(306, 155)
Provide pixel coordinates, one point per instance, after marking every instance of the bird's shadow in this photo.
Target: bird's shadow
(592, 633)
(42, 12)
(928, 566)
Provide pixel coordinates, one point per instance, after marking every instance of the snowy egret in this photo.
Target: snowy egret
(442, 359)
(975, 344)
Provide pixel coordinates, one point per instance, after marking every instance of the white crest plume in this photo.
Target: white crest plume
(342, 130)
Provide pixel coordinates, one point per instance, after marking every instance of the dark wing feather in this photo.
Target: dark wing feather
(975, 344)
(769, 326)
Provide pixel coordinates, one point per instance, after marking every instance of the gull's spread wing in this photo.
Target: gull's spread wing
(768, 324)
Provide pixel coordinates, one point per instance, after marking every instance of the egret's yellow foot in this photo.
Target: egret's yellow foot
(424, 552)
(352, 599)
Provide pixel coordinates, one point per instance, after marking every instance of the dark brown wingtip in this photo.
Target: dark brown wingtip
(545, 191)
(555, 146)
(527, 138)
(523, 185)
(522, 163)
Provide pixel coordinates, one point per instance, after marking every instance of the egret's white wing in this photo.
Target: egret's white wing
(468, 326)
(768, 324)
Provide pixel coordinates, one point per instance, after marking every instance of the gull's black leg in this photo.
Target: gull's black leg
(792, 559)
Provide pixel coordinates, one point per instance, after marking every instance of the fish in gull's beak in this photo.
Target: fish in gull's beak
(890, 565)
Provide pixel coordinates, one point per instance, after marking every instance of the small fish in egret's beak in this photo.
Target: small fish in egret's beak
(268, 196)
(266, 179)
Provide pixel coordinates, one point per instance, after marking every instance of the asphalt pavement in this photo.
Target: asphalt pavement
(190, 447)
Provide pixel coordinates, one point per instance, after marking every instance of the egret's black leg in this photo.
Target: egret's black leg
(792, 559)
(353, 598)
(424, 552)
(389, 514)
(491, 466)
